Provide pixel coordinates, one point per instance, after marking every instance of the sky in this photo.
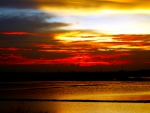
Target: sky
(74, 35)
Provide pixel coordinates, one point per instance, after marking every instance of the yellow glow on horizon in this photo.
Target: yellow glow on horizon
(94, 39)
(74, 36)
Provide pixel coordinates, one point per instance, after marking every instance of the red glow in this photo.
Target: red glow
(81, 60)
(10, 49)
(17, 33)
(85, 53)
(25, 33)
(56, 51)
(14, 49)
(45, 45)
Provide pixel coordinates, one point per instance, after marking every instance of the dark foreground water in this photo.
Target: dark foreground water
(75, 97)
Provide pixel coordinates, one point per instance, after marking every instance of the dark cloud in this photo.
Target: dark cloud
(28, 21)
(17, 4)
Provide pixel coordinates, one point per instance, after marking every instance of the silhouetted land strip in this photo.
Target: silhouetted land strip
(54, 100)
(140, 75)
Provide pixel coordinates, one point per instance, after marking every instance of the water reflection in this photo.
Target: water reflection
(60, 90)
(77, 107)
(77, 90)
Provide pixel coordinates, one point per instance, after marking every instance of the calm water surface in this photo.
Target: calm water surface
(87, 90)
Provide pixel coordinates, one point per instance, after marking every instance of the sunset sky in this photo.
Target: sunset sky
(74, 35)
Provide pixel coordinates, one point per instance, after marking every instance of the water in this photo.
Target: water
(39, 96)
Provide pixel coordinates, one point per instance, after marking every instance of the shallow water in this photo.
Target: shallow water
(87, 90)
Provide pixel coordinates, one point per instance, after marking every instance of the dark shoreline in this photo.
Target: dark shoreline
(55, 100)
(140, 75)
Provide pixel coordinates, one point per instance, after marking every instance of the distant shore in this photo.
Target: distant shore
(140, 75)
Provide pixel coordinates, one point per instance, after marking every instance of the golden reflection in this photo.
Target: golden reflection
(103, 91)
(121, 96)
(79, 107)
(78, 90)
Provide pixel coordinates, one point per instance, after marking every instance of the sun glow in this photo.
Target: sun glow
(93, 39)
(92, 11)
(74, 36)
(107, 20)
